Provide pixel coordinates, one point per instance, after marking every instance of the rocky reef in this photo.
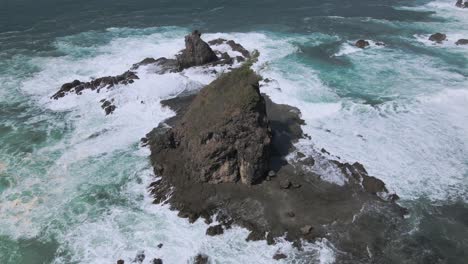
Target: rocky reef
(229, 155)
(224, 155)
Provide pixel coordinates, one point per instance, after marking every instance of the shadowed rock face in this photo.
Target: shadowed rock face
(438, 37)
(196, 52)
(362, 43)
(223, 137)
(462, 42)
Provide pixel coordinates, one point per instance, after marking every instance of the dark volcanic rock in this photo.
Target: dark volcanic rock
(157, 261)
(279, 256)
(362, 43)
(215, 230)
(462, 42)
(438, 37)
(96, 84)
(223, 136)
(196, 52)
(108, 107)
(199, 139)
(201, 259)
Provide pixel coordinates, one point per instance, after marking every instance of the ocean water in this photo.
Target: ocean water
(73, 181)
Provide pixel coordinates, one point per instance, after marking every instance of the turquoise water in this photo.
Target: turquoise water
(73, 181)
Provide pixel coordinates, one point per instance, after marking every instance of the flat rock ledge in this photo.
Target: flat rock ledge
(223, 155)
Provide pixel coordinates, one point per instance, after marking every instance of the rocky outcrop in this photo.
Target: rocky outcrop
(362, 43)
(461, 4)
(462, 42)
(215, 130)
(78, 87)
(196, 52)
(223, 137)
(234, 46)
(438, 37)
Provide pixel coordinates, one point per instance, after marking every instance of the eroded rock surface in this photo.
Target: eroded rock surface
(294, 201)
(438, 37)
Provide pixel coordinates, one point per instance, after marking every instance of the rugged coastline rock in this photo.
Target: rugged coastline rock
(362, 43)
(196, 53)
(462, 42)
(295, 202)
(96, 84)
(438, 37)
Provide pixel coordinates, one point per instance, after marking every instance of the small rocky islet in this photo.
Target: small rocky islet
(223, 158)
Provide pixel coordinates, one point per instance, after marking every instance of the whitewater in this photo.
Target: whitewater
(73, 182)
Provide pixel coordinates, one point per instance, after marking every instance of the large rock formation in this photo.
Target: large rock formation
(223, 137)
(196, 52)
(213, 158)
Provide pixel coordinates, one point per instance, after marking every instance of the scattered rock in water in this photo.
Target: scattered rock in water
(140, 257)
(159, 66)
(214, 138)
(201, 259)
(461, 4)
(380, 44)
(438, 37)
(462, 42)
(120, 261)
(215, 230)
(108, 107)
(96, 84)
(234, 46)
(300, 155)
(157, 261)
(309, 161)
(160, 245)
(196, 52)
(279, 256)
(362, 43)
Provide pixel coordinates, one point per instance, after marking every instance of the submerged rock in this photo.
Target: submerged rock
(462, 42)
(279, 256)
(157, 261)
(196, 52)
(120, 261)
(460, 4)
(362, 43)
(438, 37)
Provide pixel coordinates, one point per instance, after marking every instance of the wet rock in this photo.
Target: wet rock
(300, 155)
(438, 37)
(309, 161)
(108, 107)
(462, 42)
(380, 44)
(459, 4)
(140, 257)
(96, 84)
(157, 261)
(144, 62)
(215, 137)
(201, 259)
(255, 236)
(239, 48)
(196, 52)
(217, 41)
(160, 245)
(120, 261)
(279, 256)
(285, 184)
(362, 43)
(215, 230)
(271, 174)
(306, 229)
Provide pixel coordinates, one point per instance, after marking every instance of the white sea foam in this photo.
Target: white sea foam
(100, 153)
